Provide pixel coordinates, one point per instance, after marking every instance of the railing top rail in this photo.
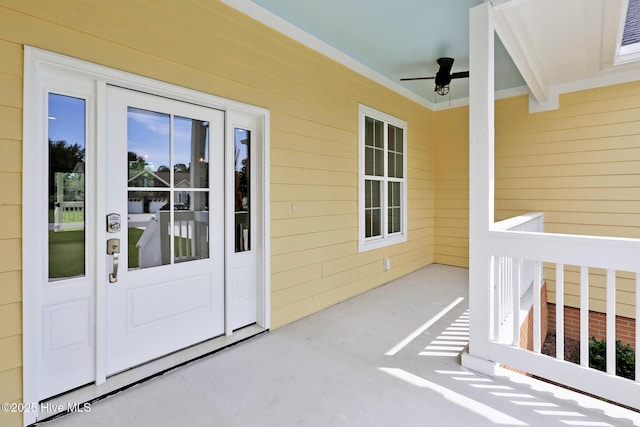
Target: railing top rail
(510, 223)
(616, 253)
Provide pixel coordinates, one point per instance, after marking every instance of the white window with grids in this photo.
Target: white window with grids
(382, 201)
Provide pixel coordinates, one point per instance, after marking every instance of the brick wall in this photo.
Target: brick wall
(625, 327)
(526, 330)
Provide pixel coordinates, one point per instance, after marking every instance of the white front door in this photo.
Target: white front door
(165, 264)
(145, 221)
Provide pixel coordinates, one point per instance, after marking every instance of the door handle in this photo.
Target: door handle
(113, 248)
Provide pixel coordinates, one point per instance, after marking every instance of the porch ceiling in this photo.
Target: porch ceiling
(552, 46)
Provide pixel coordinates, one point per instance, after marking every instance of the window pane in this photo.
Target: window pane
(398, 137)
(372, 223)
(372, 194)
(148, 145)
(399, 169)
(395, 154)
(372, 208)
(374, 147)
(368, 161)
(368, 132)
(391, 138)
(373, 161)
(394, 207)
(378, 162)
(378, 135)
(66, 236)
(191, 153)
(242, 144)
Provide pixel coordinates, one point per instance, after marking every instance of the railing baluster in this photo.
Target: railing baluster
(537, 317)
(584, 316)
(560, 311)
(495, 278)
(611, 321)
(516, 300)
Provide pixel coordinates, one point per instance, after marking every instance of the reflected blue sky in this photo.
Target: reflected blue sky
(148, 135)
(241, 147)
(67, 119)
(148, 132)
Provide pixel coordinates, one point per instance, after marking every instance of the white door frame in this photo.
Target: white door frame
(40, 69)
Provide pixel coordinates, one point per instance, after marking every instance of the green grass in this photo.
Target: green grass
(66, 253)
(133, 235)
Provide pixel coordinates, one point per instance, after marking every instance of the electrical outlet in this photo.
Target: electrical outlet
(386, 264)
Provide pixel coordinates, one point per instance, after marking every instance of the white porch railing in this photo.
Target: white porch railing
(67, 215)
(611, 254)
(514, 278)
(187, 241)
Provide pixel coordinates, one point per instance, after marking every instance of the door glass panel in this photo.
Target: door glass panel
(149, 147)
(66, 235)
(191, 153)
(168, 197)
(242, 166)
(191, 226)
(148, 247)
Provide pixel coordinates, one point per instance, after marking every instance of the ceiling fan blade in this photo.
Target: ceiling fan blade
(460, 75)
(417, 78)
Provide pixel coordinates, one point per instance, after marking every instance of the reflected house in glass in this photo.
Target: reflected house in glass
(149, 202)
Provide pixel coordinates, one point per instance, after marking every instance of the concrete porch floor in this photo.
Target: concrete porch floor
(369, 361)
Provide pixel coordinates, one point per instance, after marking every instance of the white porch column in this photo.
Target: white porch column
(481, 184)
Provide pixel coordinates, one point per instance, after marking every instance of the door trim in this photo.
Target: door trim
(40, 69)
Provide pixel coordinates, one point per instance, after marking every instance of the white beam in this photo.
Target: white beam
(481, 176)
(520, 51)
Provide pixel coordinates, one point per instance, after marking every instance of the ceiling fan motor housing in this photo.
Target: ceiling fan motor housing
(443, 76)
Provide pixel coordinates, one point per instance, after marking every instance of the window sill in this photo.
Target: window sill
(371, 244)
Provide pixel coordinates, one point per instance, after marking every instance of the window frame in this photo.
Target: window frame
(385, 238)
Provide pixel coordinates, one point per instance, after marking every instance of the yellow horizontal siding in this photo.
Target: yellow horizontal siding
(9, 313)
(11, 89)
(10, 122)
(10, 287)
(297, 226)
(11, 354)
(11, 159)
(11, 223)
(10, 386)
(580, 166)
(11, 259)
(451, 136)
(309, 257)
(12, 52)
(10, 212)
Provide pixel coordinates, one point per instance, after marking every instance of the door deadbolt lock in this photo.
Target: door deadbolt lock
(113, 248)
(113, 223)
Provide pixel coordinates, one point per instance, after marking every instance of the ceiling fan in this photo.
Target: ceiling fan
(443, 77)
